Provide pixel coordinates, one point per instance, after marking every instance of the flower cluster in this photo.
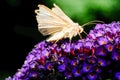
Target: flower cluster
(97, 57)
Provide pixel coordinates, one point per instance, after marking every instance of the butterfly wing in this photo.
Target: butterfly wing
(49, 31)
(56, 36)
(60, 13)
(48, 22)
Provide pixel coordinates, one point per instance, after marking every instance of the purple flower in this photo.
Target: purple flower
(117, 75)
(62, 64)
(115, 56)
(102, 40)
(100, 32)
(74, 62)
(77, 72)
(33, 74)
(102, 62)
(78, 45)
(92, 76)
(109, 47)
(117, 40)
(86, 68)
(45, 53)
(100, 26)
(49, 66)
(66, 47)
(62, 67)
(9, 78)
(88, 44)
(93, 58)
(68, 75)
(97, 69)
(100, 51)
(91, 35)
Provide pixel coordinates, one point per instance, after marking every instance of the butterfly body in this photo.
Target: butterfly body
(67, 32)
(55, 23)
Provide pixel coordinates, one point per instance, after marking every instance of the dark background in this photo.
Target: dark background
(19, 31)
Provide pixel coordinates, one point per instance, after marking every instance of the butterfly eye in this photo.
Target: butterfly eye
(76, 24)
(37, 11)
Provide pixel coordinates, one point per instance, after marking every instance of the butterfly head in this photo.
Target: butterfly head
(80, 28)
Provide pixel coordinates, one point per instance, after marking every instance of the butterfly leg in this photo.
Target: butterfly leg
(70, 39)
(57, 41)
(85, 32)
(80, 35)
(60, 37)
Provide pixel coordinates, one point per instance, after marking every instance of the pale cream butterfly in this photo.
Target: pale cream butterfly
(55, 23)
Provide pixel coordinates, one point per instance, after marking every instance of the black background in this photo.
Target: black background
(17, 20)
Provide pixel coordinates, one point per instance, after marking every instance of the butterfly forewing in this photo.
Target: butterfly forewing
(61, 14)
(45, 15)
(48, 22)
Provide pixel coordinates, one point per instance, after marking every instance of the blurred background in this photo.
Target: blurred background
(19, 32)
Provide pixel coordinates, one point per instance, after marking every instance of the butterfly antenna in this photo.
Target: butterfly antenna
(92, 22)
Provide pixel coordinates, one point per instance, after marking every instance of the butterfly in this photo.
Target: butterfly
(57, 24)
